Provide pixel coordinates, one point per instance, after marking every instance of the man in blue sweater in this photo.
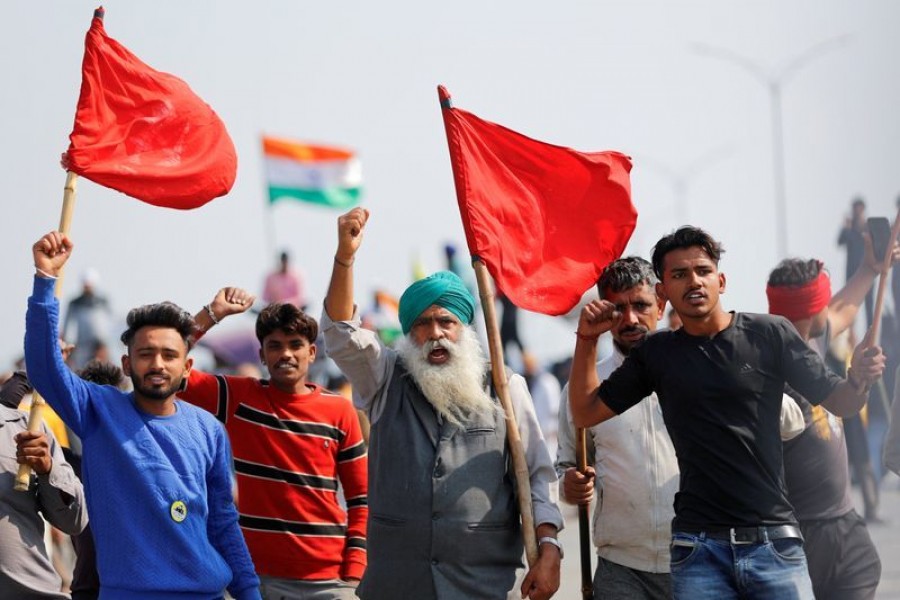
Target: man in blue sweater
(156, 470)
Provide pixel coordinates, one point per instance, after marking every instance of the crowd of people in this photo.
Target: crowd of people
(720, 455)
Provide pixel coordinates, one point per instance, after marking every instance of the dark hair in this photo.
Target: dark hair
(624, 274)
(102, 373)
(162, 314)
(288, 318)
(685, 237)
(794, 272)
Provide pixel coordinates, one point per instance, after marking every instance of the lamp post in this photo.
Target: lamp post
(774, 83)
(681, 179)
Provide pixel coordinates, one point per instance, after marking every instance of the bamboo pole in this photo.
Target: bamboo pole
(498, 373)
(23, 477)
(584, 521)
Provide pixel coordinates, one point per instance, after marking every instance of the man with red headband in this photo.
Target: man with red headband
(843, 562)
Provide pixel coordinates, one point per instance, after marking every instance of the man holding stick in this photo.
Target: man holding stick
(54, 494)
(720, 381)
(443, 519)
(843, 561)
(156, 470)
(635, 466)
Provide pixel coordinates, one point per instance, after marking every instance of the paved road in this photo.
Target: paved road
(886, 537)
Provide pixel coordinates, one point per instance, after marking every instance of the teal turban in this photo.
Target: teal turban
(444, 289)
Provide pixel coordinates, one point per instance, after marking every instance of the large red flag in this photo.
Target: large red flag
(145, 133)
(544, 219)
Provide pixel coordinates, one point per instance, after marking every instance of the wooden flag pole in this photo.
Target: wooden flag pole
(23, 477)
(584, 521)
(498, 373)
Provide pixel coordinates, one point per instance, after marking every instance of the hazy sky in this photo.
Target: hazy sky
(591, 75)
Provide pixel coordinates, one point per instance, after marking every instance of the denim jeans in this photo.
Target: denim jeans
(704, 568)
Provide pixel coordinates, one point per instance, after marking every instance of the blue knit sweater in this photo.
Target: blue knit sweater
(158, 488)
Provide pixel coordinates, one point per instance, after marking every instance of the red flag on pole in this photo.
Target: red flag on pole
(544, 219)
(145, 133)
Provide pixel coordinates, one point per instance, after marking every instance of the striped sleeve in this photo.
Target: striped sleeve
(212, 393)
(353, 473)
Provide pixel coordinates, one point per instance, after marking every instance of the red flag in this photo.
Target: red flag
(145, 133)
(544, 219)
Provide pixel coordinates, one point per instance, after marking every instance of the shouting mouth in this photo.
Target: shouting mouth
(695, 298)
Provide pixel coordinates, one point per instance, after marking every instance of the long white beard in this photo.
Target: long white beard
(455, 388)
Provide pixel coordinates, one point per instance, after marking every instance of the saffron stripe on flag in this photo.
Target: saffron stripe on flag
(324, 175)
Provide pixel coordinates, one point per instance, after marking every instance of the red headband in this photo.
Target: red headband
(796, 303)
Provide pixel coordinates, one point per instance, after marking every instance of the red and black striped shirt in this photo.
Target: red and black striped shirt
(290, 453)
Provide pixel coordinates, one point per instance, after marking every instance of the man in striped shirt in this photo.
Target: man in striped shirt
(293, 441)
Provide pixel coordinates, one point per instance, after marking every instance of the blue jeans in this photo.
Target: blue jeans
(704, 568)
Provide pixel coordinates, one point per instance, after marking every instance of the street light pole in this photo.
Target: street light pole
(781, 214)
(774, 83)
(681, 178)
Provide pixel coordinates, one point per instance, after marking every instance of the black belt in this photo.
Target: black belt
(751, 535)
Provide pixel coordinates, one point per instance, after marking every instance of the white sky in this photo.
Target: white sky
(592, 75)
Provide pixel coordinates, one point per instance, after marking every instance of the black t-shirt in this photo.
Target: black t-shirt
(721, 401)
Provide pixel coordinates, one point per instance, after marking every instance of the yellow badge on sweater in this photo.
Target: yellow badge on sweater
(178, 511)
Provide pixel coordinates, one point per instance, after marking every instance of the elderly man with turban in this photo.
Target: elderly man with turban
(843, 562)
(443, 518)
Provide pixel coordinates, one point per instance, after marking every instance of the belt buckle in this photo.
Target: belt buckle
(734, 540)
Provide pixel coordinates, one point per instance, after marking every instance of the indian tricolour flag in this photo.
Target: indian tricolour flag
(314, 173)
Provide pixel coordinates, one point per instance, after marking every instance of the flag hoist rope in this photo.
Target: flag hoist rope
(23, 477)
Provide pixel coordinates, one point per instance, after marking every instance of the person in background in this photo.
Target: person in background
(545, 390)
(852, 236)
(284, 284)
(843, 561)
(88, 320)
(674, 321)
(631, 458)
(54, 494)
(892, 441)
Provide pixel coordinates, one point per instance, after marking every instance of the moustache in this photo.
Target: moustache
(634, 329)
(157, 374)
(432, 345)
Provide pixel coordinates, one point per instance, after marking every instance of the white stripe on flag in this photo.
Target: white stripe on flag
(284, 172)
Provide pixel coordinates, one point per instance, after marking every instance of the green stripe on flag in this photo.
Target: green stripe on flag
(331, 197)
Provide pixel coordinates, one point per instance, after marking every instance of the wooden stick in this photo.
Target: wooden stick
(23, 477)
(584, 521)
(498, 373)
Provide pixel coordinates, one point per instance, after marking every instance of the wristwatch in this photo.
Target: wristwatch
(554, 541)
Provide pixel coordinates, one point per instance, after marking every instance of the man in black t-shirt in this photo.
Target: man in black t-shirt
(843, 561)
(720, 380)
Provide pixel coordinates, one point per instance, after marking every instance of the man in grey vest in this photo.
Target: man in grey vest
(443, 518)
